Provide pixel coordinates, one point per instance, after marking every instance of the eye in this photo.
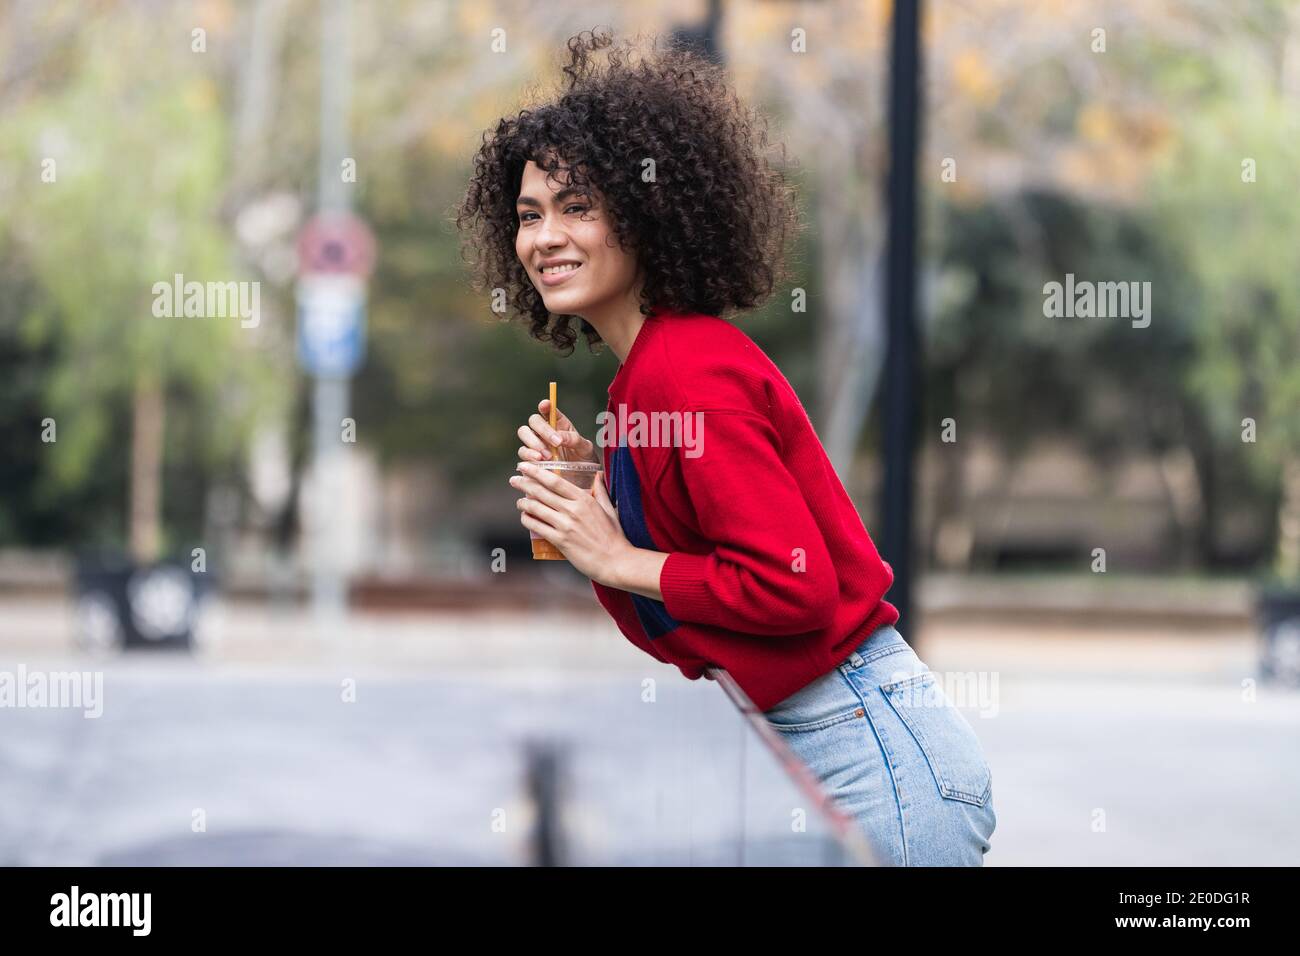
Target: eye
(523, 216)
(578, 207)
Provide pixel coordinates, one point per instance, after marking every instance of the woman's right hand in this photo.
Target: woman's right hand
(537, 438)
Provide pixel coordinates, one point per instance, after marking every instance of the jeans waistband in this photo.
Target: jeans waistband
(883, 641)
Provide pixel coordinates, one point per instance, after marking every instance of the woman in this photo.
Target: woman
(640, 205)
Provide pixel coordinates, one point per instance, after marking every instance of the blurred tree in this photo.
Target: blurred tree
(1226, 198)
(124, 154)
(1012, 376)
(1043, 140)
(203, 163)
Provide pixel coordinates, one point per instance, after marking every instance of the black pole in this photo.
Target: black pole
(703, 38)
(543, 761)
(900, 307)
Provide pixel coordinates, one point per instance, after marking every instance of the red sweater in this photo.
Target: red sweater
(770, 572)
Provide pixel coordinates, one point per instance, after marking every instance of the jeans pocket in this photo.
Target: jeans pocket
(804, 726)
(945, 737)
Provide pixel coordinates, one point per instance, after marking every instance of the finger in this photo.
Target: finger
(562, 487)
(544, 513)
(602, 496)
(541, 527)
(531, 440)
(531, 454)
(540, 426)
(561, 420)
(542, 429)
(536, 490)
(571, 438)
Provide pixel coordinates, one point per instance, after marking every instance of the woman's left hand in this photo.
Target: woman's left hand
(583, 525)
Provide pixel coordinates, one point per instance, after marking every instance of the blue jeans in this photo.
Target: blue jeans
(894, 754)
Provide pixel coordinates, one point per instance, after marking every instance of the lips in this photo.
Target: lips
(555, 278)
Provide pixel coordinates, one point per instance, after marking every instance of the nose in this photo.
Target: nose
(549, 235)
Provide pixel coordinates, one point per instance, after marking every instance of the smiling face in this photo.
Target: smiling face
(566, 244)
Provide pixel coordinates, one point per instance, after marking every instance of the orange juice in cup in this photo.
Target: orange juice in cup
(581, 473)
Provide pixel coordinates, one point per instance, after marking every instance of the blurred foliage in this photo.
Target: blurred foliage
(1238, 239)
(139, 160)
(1122, 165)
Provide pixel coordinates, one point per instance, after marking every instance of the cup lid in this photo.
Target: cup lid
(570, 465)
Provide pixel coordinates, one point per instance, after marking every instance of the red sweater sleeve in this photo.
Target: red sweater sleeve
(749, 505)
(618, 606)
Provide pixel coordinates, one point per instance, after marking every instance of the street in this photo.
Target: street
(1122, 749)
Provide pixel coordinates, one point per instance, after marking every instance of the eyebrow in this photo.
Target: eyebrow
(562, 195)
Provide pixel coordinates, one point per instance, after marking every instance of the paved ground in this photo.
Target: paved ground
(415, 770)
(1115, 747)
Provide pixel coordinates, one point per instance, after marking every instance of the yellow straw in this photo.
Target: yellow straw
(555, 451)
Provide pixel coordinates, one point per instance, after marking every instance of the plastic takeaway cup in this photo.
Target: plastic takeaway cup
(581, 473)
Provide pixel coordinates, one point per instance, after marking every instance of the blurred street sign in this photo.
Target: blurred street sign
(336, 252)
(336, 242)
(331, 323)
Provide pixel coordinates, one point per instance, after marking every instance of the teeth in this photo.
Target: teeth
(568, 267)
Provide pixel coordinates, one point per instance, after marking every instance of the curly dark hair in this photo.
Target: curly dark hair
(710, 234)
